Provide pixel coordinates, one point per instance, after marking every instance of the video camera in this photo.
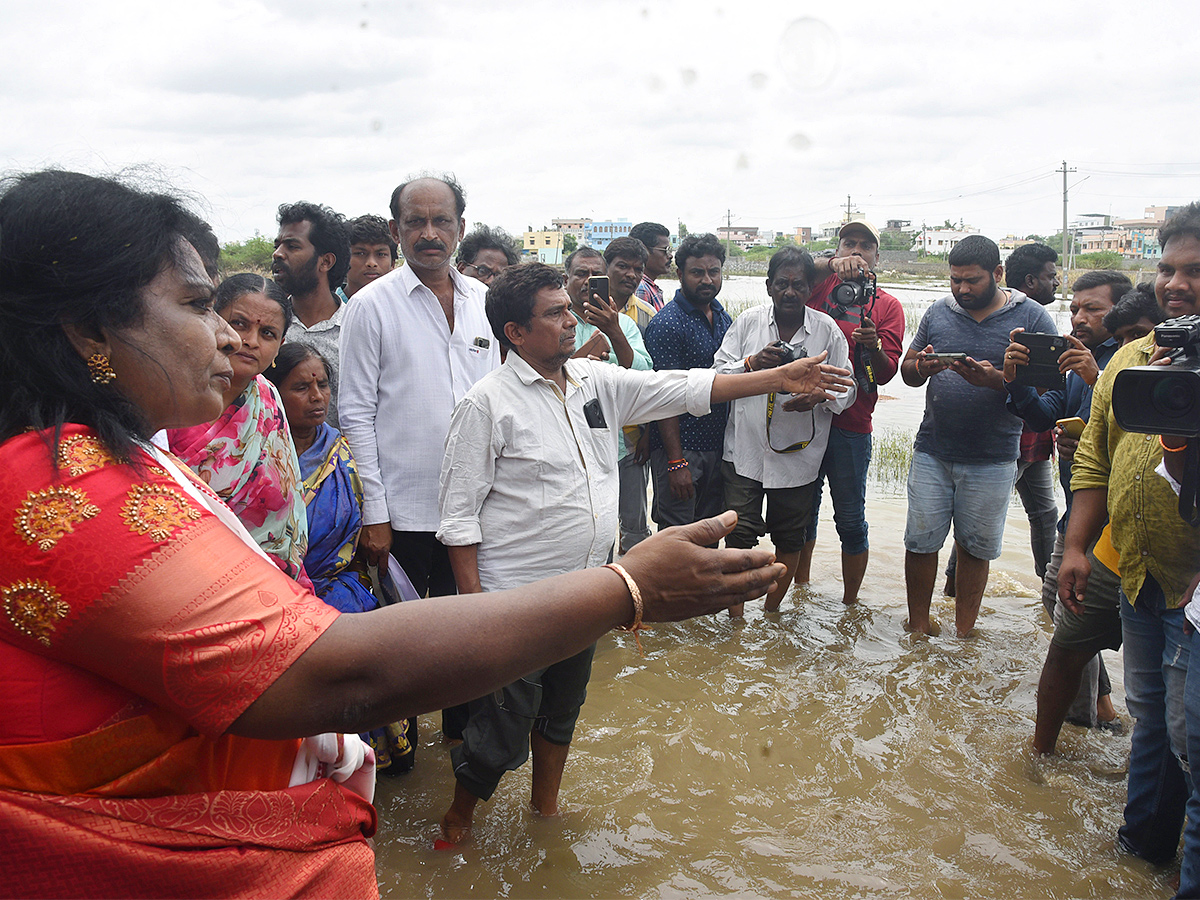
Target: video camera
(1166, 400)
(1163, 399)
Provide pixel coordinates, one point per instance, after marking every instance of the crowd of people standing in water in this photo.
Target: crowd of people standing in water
(236, 503)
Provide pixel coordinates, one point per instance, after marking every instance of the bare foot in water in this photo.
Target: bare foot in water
(456, 823)
(549, 810)
(454, 830)
(931, 629)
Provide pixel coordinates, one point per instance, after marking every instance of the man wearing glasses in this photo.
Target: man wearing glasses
(657, 239)
(485, 253)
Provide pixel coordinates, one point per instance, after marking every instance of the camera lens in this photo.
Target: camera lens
(1172, 397)
(848, 293)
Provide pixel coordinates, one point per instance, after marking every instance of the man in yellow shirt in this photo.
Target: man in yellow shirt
(1114, 476)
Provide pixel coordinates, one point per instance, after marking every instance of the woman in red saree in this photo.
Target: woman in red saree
(170, 701)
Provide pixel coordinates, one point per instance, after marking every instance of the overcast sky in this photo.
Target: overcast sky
(666, 110)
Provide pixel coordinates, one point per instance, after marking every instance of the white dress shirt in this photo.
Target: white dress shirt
(746, 431)
(529, 480)
(401, 373)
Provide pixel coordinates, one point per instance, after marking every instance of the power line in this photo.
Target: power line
(1144, 174)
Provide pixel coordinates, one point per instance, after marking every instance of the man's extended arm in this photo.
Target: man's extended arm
(1089, 512)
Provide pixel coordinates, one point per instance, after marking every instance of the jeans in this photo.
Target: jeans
(845, 465)
(631, 502)
(1189, 871)
(1156, 668)
(1035, 487)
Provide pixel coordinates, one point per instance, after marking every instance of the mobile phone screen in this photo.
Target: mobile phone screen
(598, 284)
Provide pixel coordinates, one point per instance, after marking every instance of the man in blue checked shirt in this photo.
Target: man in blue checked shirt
(685, 451)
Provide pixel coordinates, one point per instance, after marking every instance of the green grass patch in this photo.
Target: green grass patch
(891, 455)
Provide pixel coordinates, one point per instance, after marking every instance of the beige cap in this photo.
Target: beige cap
(861, 223)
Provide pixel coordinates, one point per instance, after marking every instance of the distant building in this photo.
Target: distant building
(1143, 242)
(1103, 237)
(941, 240)
(1011, 242)
(803, 235)
(828, 231)
(747, 236)
(577, 227)
(546, 246)
(600, 234)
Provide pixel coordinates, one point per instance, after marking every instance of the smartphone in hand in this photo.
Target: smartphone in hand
(597, 284)
(1072, 427)
(1044, 351)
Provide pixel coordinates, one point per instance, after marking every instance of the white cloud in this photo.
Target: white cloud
(662, 109)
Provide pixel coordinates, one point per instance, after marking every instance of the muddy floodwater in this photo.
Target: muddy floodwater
(821, 752)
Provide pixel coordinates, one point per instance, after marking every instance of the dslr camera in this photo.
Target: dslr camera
(1163, 399)
(789, 352)
(859, 291)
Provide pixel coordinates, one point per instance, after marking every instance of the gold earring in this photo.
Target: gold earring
(100, 369)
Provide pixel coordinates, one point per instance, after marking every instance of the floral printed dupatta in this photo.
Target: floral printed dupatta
(247, 457)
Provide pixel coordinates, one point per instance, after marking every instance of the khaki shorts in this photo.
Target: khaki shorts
(1098, 627)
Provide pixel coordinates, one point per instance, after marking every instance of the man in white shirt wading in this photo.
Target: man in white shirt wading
(529, 489)
(413, 343)
(774, 445)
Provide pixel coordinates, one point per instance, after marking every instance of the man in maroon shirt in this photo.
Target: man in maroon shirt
(876, 336)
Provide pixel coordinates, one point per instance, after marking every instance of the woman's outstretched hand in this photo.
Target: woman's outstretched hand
(680, 576)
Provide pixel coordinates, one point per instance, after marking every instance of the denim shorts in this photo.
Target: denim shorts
(972, 496)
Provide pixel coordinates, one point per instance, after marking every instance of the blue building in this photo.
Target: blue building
(600, 234)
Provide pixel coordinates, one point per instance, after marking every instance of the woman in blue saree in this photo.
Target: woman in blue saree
(333, 498)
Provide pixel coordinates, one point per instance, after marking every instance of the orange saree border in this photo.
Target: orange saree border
(147, 756)
(305, 841)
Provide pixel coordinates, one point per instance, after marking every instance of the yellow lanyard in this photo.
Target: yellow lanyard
(799, 445)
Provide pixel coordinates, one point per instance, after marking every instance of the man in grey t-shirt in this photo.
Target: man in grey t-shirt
(966, 451)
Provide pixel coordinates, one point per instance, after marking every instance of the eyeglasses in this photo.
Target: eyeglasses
(483, 273)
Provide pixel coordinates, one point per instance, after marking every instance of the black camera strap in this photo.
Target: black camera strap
(799, 445)
(1189, 490)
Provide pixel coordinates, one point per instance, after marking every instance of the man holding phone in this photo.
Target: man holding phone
(1073, 684)
(604, 333)
(966, 450)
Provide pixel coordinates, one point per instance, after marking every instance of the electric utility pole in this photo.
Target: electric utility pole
(728, 232)
(1067, 243)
